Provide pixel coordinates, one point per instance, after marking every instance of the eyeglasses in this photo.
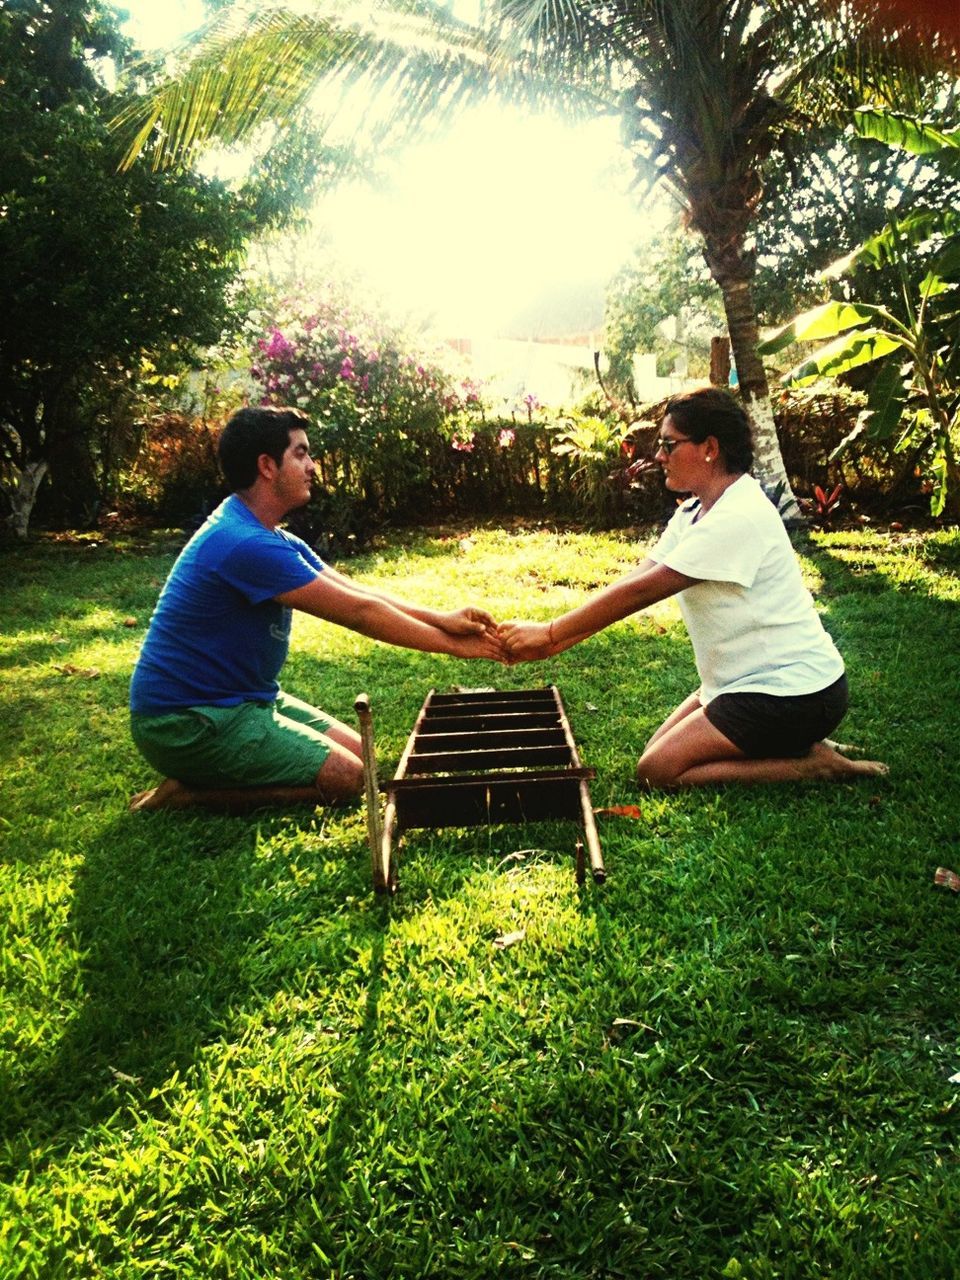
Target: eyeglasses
(667, 446)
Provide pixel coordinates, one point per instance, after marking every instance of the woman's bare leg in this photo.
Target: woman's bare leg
(690, 752)
(686, 708)
(820, 764)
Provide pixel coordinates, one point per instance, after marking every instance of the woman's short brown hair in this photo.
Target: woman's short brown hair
(711, 411)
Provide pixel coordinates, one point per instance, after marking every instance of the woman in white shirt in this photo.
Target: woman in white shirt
(772, 682)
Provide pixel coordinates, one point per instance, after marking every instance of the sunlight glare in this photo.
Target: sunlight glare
(472, 225)
(159, 25)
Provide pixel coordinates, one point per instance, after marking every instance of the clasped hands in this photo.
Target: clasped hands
(508, 642)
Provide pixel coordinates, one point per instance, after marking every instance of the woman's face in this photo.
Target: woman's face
(680, 457)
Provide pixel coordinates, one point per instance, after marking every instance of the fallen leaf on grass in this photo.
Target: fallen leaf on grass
(622, 811)
(129, 622)
(954, 1079)
(518, 856)
(508, 939)
(124, 1078)
(947, 878)
(86, 673)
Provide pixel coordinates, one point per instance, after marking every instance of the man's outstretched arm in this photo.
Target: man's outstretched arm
(470, 620)
(332, 597)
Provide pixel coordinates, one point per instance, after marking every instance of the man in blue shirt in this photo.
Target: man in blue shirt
(206, 705)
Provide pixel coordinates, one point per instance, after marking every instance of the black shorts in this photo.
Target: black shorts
(766, 727)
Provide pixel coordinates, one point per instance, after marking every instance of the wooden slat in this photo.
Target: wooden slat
(487, 722)
(484, 739)
(425, 781)
(517, 697)
(502, 758)
(481, 801)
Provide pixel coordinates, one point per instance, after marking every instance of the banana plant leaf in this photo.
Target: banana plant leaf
(906, 132)
(848, 352)
(947, 262)
(824, 321)
(932, 285)
(887, 400)
(885, 405)
(887, 244)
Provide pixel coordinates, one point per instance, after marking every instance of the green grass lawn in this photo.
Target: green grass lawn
(221, 1056)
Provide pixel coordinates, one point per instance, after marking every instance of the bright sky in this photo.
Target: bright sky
(501, 211)
(476, 226)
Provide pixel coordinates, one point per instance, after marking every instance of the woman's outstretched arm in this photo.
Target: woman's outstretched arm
(643, 586)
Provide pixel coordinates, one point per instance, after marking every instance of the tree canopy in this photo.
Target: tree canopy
(98, 269)
(708, 92)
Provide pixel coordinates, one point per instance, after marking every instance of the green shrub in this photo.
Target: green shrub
(381, 407)
(175, 476)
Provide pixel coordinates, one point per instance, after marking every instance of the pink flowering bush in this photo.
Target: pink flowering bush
(396, 435)
(383, 410)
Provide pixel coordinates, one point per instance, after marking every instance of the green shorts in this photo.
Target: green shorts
(255, 744)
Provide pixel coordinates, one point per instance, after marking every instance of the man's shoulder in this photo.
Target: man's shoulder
(230, 525)
(234, 517)
(234, 544)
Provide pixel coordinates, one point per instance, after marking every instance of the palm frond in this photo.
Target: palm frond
(250, 66)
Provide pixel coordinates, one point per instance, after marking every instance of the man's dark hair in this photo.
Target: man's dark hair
(711, 411)
(252, 432)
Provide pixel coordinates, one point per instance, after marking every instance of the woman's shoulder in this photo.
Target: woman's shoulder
(746, 499)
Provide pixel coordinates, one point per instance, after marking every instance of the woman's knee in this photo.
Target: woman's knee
(654, 773)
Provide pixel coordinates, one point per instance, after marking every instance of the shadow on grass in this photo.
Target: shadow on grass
(888, 626)
(172, 916)
(187, 925)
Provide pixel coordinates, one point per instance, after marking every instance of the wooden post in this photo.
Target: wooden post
(719, 362)
(372, 791)
(590, 831)
(586, 808)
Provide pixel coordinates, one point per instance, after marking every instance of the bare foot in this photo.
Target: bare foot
(844, 748)
(170, 794)
(825, 761)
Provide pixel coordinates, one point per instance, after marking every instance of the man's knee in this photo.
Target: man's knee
(341, 775)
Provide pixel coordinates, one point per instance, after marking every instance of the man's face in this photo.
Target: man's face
(295, 477)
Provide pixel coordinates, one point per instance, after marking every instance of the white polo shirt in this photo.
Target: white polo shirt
(751, 620)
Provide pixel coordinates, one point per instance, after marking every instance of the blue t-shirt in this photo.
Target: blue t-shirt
(217, 636)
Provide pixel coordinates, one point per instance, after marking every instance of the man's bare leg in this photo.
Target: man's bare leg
(346, 736)
(339, 780)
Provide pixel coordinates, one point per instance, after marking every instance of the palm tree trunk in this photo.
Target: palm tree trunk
(732, 269)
